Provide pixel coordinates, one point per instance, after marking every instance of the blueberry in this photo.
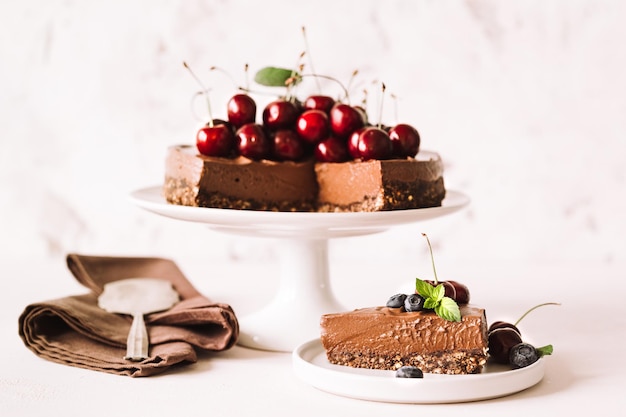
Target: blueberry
(522, 355)
(409, 372)
(396, 301)
(414, 302)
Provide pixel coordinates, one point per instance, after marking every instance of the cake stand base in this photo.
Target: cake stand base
(303, 296)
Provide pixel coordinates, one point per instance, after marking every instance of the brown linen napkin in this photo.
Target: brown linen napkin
(75, 331)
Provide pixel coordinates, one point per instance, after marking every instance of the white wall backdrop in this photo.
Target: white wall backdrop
(525, 101)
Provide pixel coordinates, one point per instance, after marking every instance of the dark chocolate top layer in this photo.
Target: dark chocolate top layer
(384, 330)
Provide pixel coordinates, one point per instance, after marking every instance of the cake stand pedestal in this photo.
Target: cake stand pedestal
(304, 292)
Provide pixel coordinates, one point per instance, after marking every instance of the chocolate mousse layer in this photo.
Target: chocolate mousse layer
(388, 338)
(377, 185)
(192, 179)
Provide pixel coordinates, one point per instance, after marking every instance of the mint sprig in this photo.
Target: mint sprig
(435, 299)
(545, 350)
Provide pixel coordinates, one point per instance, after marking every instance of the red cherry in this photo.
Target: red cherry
(405, 140)
(450, 291)
(370, 143)
(253, 142)
(287, 145)
(312, 126)
(215, 140)
(241, 110)
(503, 324)
(363, 113)
(345, 119)
(462, 292)
(353, 142)
(332, 149)
(500, 342)
(324, 103)
(280, 114)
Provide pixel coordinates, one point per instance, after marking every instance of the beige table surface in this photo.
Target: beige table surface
(585, 375)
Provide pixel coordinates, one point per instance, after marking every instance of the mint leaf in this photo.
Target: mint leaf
(545, 350)
(430, 303)
(276, 77)
(435, 299)
(439, 292)
(448, 309)
(423, 288)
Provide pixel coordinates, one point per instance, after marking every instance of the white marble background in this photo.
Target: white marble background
(525, 101)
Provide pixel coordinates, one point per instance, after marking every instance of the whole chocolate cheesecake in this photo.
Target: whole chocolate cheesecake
(389, 338)
(192, 179)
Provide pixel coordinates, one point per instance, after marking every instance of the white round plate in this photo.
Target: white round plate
(252, 222)
(310, 364)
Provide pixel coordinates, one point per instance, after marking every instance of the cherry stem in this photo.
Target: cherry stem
(432, 258)
(345, 91)
(247, 73)
(534, 308)
(352, 77)
(306, 48)
(380, 110)
(205, 92)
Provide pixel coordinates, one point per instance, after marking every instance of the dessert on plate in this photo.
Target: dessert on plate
(433, 330)
(390, 338)
(317, 154)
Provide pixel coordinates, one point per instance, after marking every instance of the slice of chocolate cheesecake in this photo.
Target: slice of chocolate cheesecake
(388, 338)
(380, 185)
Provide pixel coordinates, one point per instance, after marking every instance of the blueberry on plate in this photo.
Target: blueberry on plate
(409, 372)
(522, 355)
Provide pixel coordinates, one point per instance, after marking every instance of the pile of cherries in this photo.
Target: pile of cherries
(293, 130)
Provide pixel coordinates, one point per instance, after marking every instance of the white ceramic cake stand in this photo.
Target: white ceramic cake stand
(304, 293)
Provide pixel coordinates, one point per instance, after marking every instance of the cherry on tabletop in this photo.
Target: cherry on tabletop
(332, 149)
(319, 102)
(241, 110)
(215, 140)
(345, 119)
(313, 126)
(405, 140)
(253, 142)
(280, 114)
(370, 143)
(287, 145)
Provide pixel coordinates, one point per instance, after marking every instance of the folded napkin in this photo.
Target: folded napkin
(75, 331)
